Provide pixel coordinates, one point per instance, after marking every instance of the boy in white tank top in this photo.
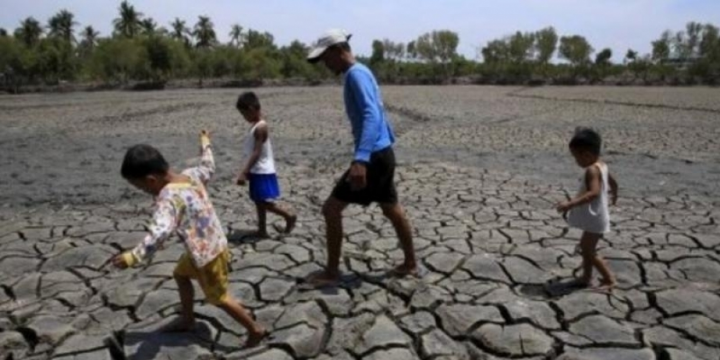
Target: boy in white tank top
(259, 166)
(588, 211)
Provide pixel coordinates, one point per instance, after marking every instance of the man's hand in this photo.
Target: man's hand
(357, 176)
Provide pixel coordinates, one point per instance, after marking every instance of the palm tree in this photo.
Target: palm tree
(29, 31)
(61, 26)
(89, 40)
(128, 24)
(204, 32)
(148, 26)
(89, 37)
(180, 31)
(236, 35)
(630, 56)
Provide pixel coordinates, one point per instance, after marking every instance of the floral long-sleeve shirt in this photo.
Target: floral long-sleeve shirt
(185, 209)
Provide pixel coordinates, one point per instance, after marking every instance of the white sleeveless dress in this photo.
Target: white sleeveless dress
(593, 217)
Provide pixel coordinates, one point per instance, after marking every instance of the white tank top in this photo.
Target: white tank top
(266, 163)
(593, 217)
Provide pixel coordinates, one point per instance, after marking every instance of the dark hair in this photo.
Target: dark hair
(344, 46)
(247, 101)
(586, 139)
(143, 160)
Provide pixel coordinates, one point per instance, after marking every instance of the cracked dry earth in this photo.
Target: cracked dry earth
(484, 226)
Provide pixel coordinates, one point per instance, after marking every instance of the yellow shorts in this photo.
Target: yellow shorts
(213, 277)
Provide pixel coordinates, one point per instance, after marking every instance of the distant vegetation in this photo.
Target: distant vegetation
(140, 50)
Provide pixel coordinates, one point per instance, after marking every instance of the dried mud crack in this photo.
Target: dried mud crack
(484, 228)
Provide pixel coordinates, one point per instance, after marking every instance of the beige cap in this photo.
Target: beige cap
(328, 39)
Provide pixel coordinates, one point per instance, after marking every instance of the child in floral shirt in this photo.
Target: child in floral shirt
(183, 207)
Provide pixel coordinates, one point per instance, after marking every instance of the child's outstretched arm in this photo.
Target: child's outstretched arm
(163, 224)
(593, 186)
(613, 189)
(261, 136)
(205, 171)
(207, 160)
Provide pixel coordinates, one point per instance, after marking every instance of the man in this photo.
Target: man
(371, 174)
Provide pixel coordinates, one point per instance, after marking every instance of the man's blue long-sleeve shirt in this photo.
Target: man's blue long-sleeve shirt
(364, 107)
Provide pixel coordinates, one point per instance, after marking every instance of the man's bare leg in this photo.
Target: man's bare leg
(396, 214)
(332, 211)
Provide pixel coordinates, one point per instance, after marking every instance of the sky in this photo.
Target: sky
(617, 24)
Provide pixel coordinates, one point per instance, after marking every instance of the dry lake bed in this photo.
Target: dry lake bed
(480, 169)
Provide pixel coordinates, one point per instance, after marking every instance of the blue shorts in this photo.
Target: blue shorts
(264, 187)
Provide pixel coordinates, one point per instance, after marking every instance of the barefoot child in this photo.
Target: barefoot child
(588, 211)
(259, 166)
(183, 207)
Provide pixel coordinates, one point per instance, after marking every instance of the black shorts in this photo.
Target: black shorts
(380, 180)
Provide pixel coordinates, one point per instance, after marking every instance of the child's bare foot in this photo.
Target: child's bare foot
(291, 220)
(606, 285)
(319, 280)
(405, 270)
(180, 324)
(255, 338)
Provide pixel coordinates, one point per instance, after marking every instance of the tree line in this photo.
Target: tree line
(686, 57)
(139, 49)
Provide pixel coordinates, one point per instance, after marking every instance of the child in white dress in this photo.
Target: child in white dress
(588, 211)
